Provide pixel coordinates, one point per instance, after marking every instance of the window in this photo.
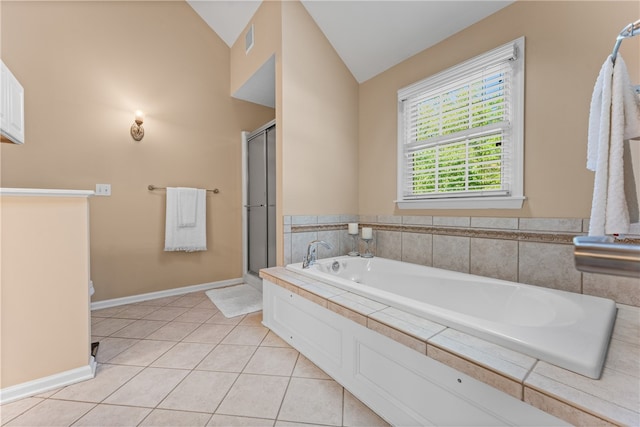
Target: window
(460, 134)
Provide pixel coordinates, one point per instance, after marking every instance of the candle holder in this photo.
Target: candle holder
(354, 243)
(367, 252)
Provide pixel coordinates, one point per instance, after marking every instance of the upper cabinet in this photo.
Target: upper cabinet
(11, 107)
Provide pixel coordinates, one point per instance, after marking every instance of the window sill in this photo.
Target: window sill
(464, 203)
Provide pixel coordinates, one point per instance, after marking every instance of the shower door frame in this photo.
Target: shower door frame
(248, 278)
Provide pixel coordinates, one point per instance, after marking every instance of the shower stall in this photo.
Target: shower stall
(260, 202)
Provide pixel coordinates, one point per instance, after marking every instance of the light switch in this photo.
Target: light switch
(103, 189)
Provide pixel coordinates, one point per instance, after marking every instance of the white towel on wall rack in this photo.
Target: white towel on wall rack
(188, 238)
(613, 118)
(187, 206)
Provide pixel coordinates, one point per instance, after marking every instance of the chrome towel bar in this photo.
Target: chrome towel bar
(152, 187)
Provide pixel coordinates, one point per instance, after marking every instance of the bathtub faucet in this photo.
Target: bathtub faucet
(310, 259)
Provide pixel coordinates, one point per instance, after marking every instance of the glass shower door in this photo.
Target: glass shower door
(261, 200)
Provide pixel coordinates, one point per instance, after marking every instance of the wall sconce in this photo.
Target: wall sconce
(137, 131)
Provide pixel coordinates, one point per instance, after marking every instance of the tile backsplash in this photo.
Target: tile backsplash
(536, 251)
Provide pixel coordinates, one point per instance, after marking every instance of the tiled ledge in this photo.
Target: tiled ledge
(517, 235)
(612, 400)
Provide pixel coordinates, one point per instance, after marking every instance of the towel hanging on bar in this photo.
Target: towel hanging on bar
(614, 117)
(631, 30)
(186, 238)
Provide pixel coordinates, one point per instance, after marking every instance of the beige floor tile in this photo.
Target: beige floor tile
(143, 353)
(109, 326)
(272, 361)
(51, 413)
(166, 313)
(232, 421)
(200, 391)
(256, 396)
(148, 388)
(107, 312)
(252, 319)
(48, 394)
(160, 302)
(113, 415)
(220, 319)
(9, 411)
(206, 304)
(136, 311)
(173, 331)
(246, 335)
(111, 347)
(280, 423)
(107, 380)
(189, 300)
(164, 417)
(307, 369)
(227, 358)
(208, 333)
(272, 340)
(197, 315)
(312, 401)
(183, 356)
(139, 329)
(357, 414)
(96, 320)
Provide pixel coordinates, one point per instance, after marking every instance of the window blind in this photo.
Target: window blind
(456, 130)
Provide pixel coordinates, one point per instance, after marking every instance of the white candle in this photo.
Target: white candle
(353, 228)
(367, 233)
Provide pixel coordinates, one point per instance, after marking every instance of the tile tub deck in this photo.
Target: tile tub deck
(614, 399)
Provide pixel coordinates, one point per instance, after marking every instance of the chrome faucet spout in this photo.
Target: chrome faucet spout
(311, 257)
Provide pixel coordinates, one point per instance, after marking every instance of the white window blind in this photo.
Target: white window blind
(456, 136)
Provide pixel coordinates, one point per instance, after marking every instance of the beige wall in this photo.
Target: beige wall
(316, 112)
(319, 125)
(267, 39)
(45, 292)
(267, 22)
(566, 44)
(86, 67)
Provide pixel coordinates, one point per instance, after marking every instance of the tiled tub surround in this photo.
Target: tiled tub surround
(535, 251)
(611, 400)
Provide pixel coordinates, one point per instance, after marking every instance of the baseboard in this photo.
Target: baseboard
(161, 294)
(51, 382)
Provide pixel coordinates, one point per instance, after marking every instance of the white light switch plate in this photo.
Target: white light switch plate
(103, 189)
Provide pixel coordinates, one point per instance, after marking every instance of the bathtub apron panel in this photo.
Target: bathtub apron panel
(403, 386)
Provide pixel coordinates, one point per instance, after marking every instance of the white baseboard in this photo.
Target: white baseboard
(161, 294)
(51, 382)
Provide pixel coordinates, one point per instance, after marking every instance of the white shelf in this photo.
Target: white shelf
(45, 192)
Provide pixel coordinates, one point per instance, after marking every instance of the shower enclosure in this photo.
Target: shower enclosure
(260, 206)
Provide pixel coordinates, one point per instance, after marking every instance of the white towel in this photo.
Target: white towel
(187, 206)
(614, 117)
(188, 239)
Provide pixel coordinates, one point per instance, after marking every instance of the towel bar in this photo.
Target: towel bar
(151, 187)
(600, 254)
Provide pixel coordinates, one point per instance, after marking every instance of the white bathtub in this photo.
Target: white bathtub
(563, 328)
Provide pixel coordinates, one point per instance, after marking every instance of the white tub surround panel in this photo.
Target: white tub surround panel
(401, 385)
(501, 368)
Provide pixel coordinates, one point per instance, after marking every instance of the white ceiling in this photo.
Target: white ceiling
(369, 35)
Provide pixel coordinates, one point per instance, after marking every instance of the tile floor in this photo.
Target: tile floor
(177, 361)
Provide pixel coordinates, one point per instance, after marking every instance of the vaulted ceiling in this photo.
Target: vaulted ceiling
(369, 35)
